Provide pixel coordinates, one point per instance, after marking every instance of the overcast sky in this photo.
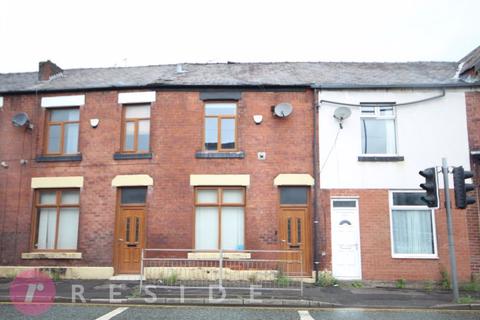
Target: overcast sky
(100, 33)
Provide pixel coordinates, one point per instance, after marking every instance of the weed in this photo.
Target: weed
(400, 283)
(252, 278)
(465, 300)
(135, 293)
(282, 281)
(472, 286)
(445, 281)
(429, 286)
(171, 279)
(326, 279)
(357, 284)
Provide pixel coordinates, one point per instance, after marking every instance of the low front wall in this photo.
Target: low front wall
(210, 274)
(63, 272)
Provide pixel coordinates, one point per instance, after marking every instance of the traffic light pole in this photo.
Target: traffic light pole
(451, 245)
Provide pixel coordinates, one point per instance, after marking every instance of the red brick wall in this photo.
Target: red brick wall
(176, 133)
(473, 214)
(377, 261)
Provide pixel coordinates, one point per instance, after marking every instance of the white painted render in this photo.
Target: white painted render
(63, 101)
(426, 132)
(1, 102)
(136, 97)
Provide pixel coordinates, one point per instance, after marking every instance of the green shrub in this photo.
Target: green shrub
(282, 281)
(326, 279)
(400, 283)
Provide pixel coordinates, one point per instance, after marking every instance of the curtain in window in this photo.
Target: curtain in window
(46, 228)
(378, 136)
(412, 232)
(206, 228)
(232, 228)
(390, 138)
(70, 138)
(68, 228)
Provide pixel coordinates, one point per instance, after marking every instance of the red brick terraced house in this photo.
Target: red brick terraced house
(98, 164)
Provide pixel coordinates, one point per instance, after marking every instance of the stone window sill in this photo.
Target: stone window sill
(131, 156)
(64, 158)
(381, 158)
(219, 155)
(51, 255)
(216, 255)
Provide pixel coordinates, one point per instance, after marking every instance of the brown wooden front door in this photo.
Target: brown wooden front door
(295, 236)
(130, 239)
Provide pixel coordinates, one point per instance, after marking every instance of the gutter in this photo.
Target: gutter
(316, 186)
(300, 86)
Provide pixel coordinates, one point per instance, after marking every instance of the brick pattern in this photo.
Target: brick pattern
(176, 134)
(375, 241)
(472, 100)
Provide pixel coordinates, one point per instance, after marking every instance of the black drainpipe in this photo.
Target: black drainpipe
(316, 194)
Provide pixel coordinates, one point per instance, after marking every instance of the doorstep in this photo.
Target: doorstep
(126, 277)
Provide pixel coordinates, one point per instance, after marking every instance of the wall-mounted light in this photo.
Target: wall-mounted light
(94, 122)
(258, 118)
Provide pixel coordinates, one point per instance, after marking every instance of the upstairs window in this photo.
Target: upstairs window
(62, 131)
(378, 129)
(136, 129)
(220, 126)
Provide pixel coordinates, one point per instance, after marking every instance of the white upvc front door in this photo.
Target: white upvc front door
(346, 258)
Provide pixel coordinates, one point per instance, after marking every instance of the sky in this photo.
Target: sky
(101, 33)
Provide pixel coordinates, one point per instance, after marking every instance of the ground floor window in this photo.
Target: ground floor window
(219, 218)
(413, 226)
(56, 219)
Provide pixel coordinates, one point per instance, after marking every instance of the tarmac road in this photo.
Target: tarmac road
(124, 312)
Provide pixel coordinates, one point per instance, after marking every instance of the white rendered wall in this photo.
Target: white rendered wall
(444, 117)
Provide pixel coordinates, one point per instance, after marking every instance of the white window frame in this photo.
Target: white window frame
(377, 115)
(434, 227)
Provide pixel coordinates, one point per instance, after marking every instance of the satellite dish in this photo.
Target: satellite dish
(283, 110)
(342, 113)
(21, 120)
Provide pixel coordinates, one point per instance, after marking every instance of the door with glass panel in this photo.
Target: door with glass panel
(130, 230)
(346, 261)
(295, 230)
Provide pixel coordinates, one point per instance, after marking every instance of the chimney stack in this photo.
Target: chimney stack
(48, 69)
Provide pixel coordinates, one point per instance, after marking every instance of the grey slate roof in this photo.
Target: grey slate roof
(325, 74)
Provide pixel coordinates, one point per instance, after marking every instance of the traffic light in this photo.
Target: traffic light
(462, 200)
(430, 186)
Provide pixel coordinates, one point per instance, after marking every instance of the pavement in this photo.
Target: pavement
(344, 296)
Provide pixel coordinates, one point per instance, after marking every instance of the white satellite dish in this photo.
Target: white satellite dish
(342, 113)
(21, 120)
(283, 110)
